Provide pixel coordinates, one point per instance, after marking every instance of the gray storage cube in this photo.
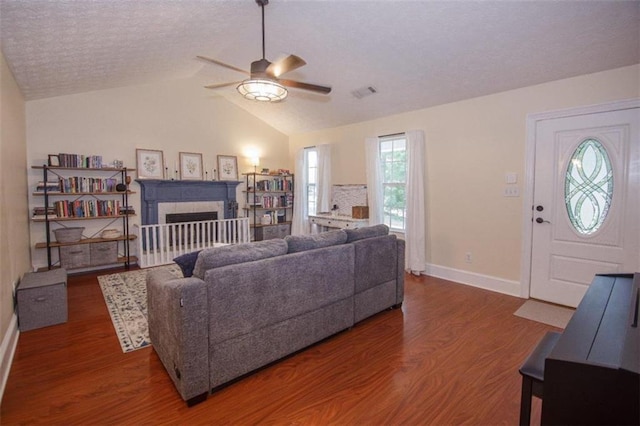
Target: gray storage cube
(75, 256)
(42, 299)
(272, 231)
(104, 253)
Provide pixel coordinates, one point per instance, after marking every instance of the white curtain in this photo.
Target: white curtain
(300, 221)
(415, 234)
(374, 180)
(324, 178)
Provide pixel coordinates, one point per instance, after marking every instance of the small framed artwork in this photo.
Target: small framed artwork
(150, 164)
(54, 160)
(190, 166)
(227, 167)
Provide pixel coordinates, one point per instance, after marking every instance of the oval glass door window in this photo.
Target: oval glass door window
(588, 187)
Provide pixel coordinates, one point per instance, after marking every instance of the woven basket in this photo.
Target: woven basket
(68, 235)
(110, 233)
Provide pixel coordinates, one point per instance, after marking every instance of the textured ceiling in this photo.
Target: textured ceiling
(416, 54)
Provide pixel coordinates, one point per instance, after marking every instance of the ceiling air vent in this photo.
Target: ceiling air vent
(364, 91)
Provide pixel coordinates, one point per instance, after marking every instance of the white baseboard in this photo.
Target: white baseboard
(7, 350)
(500, 285)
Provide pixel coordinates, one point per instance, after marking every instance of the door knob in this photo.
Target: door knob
(541, 220)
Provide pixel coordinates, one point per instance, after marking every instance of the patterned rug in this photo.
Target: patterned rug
(126, 297)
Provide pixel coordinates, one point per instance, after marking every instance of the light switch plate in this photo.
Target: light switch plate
(511, 191)
(511, 178)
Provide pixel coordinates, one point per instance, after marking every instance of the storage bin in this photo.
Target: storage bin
(273, 231)
(42, 299)
(104, 253)
(75, 256)
(360, 212)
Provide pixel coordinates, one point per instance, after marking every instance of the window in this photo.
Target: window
(393, 158)
(311, 169)
(588, 187)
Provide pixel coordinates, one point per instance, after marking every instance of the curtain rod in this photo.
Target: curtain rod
(309, 147)
(392, 134)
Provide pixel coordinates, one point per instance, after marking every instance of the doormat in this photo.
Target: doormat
(546, 313)
(125, 294)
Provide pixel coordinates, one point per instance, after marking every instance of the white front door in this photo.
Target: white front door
(586, 214)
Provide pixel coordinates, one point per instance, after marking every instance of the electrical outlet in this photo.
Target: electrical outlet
(468, 257)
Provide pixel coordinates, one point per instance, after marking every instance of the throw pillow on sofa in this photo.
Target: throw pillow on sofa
(366, 232)
(237, 253)
(187, 262)
(299, 243)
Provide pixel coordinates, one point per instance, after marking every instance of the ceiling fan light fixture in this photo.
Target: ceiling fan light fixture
(263, 90)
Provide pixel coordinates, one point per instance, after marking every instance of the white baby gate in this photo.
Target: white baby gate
(160, 244)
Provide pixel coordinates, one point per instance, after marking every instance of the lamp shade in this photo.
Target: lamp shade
(262, 90)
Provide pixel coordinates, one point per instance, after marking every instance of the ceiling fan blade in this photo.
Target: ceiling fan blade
(285, 65)
(305, 86)
(222, 64)
(217, 86)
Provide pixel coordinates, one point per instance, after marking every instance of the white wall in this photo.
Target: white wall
(172, 117)
(14, 246)
(470, 146)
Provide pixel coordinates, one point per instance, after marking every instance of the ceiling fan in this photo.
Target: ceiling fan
(264, 83)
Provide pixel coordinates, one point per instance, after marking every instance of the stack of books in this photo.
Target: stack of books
(42, 213)
(51, 186)
(127, 210)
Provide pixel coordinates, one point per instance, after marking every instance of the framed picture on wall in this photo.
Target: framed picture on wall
(227, 167)
(150, 164)
(190, 166)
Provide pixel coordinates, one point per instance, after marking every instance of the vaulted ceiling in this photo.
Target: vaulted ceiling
(416, 54)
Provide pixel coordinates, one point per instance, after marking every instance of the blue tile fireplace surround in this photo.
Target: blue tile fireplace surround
(155, 191)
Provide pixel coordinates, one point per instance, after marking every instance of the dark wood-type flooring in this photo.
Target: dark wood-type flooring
(449, 357)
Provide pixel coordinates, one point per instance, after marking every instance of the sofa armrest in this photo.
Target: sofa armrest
(400, 272)
(178, 328)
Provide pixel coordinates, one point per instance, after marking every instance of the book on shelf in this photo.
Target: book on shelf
(86, 208)
(80, 161)
(274, 184)
(76, 184)
(277, 201)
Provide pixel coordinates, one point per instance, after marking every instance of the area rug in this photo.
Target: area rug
(125, 294)
(547, 313)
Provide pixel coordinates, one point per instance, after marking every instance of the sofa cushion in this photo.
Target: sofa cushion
(187, 262)
(237, 253)
(366, 232)
(298, 243)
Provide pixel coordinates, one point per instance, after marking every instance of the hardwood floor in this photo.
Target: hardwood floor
(449, 357)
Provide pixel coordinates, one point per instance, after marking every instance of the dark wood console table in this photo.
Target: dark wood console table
(592, 374)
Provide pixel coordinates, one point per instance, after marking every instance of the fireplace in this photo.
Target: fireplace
(188, 232)
(209, 207)
(190, 217)
(162, 197)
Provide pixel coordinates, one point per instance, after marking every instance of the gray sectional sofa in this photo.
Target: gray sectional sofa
(248, 305)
